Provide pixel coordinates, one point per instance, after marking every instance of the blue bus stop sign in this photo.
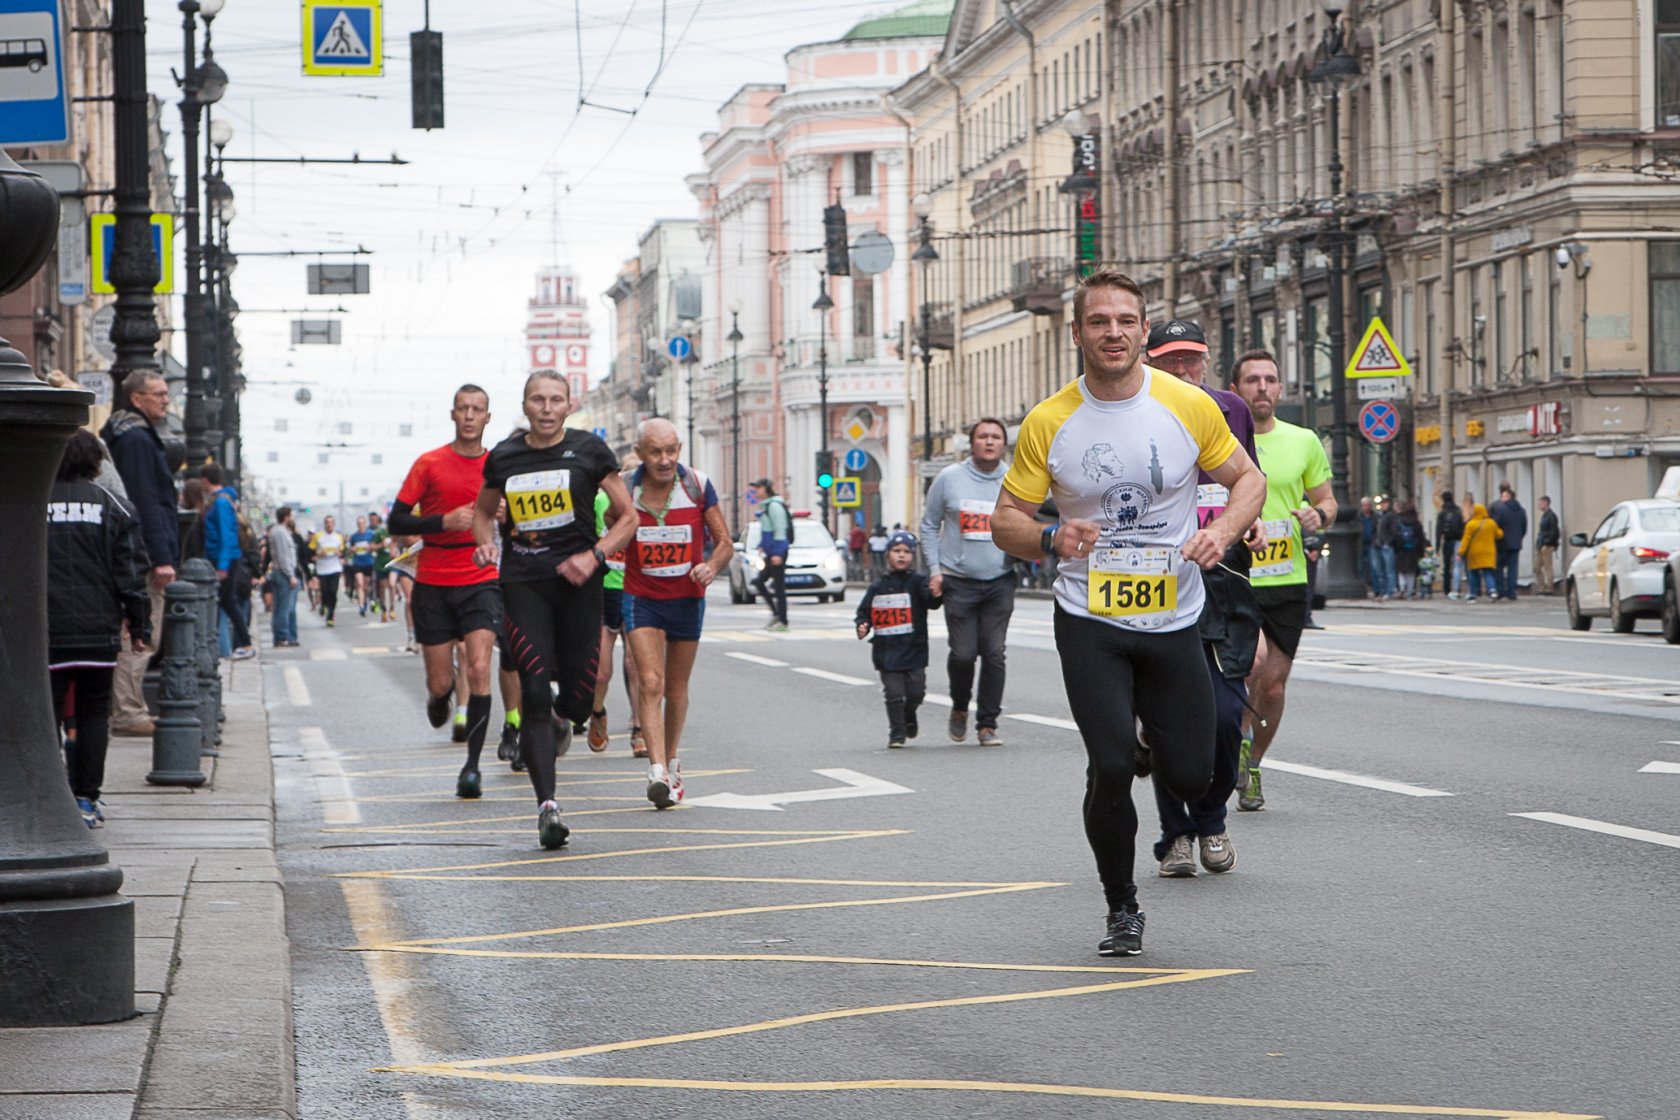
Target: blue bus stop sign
(32, 100)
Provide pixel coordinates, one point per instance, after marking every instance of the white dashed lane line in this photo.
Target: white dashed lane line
(1348, 779)
(754, 659)
(837, 678)
(1587, 824)
(296, 691)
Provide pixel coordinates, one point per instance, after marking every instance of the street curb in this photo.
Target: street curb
(223, 1044)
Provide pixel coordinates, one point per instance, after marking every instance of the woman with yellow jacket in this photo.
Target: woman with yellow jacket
(1480, 551)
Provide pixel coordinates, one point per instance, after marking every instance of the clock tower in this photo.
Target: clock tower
(557, 328)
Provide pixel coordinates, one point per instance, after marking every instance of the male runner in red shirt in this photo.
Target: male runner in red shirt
(454, 599)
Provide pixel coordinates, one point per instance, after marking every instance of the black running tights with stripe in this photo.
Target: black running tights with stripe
(1115, 677)
(554, 634)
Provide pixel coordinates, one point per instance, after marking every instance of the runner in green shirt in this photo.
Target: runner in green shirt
(1298, 501)
(612, 625)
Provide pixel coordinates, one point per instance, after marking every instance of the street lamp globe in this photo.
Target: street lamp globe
(922, 205)
(822, 302)
(735, 305)
(1336, 73)
(212, 82)
(1075, 124)
(210, 9)
(221, 134)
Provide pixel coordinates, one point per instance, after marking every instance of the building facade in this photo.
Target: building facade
(557, 328)
(782, 153)
(1534, 145)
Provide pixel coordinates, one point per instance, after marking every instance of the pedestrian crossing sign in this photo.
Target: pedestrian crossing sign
(104, 248)
(1378, 355)
(343, 38)
(848, 493)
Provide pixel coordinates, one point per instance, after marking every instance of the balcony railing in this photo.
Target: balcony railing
(1037, 283)
(863, 348)
(942, 333)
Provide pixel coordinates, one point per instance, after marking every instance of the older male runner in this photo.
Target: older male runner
(454, 598)
(665, 580)
(1298, 501)
(1120, 449)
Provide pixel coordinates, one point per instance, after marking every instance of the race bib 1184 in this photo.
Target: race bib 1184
(540, 500)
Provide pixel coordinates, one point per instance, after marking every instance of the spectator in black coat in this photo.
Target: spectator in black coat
(97, 569)
(1410, 543)
(139, 455)
(1449, 530)
(1512, 519)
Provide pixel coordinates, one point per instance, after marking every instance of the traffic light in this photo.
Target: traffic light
(834, 241)
(825, 469)
(425, 62)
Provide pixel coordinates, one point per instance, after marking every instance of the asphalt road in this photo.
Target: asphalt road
(1459, 901)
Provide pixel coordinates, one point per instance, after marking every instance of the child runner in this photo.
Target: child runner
(896, 607)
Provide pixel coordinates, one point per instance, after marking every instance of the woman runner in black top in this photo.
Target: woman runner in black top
(551, 570)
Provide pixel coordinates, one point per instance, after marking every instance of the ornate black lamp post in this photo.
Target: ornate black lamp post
(66, 936)
(134, 267)
(1338, 69)
(823, 306)
(201, 85)
(735, 337)
(925, 255)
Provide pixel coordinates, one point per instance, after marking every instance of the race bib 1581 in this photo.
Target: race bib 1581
(1132, 583)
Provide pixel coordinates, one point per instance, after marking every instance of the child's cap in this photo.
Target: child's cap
(903, 537)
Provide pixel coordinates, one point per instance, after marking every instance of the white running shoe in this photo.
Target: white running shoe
(659, 787)
(675, 778)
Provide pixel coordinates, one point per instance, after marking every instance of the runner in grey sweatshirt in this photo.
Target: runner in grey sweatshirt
(973, 575)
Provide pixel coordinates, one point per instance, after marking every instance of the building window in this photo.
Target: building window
(1525, 324)
(863, 172)
(345, 427)
(405, 430)
(378, 458)
(320, 456)
(1478, 331)
(1496, 279)
(1431, 378)
(1556, 339)
(274, 456)
(1665, 306)
(280, 423)
(1668, 63)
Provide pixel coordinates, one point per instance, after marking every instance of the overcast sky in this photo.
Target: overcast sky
(518, 176)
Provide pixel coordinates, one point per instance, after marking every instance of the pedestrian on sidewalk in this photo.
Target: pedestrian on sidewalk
(222, 549)
(1384, 536)
(1449, 530)
(1512, 520)
(1480, 549)
(138, 453)
(283, 577)
(97, 570)
(1410, 544)
(896, 608)
(1547, 538)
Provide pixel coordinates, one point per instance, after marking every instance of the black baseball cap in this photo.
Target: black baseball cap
(1174, 335)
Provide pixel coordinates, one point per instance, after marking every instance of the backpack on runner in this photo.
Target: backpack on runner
(1452, 521)
(1408, 537)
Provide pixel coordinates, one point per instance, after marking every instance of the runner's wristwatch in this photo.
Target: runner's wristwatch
(1047, 540)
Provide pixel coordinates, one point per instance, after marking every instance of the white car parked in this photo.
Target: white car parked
(816, 565)
(1618, 572)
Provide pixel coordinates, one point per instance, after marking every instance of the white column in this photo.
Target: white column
(896, 485)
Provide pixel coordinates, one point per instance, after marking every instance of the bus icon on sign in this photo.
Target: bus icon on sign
(29, 54)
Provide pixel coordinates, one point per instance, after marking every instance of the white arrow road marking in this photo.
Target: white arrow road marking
(338, 803)
(1353, 779)
(824, 674)
(1660, 767)
(1043, 721)
(754, 659)
(1586, 824)
(857, 785)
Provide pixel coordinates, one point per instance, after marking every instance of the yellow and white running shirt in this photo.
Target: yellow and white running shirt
(1131, 467)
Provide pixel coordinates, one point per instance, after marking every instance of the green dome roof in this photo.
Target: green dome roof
(924, 17)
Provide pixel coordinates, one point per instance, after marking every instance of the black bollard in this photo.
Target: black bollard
(202, 576)
(178, 739)
(66, 936)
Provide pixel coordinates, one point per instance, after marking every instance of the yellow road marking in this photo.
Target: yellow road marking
(434, 871)
(773, 958)
(733, 912)
(1028, 1088)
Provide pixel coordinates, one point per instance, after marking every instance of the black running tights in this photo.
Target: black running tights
(554, 635)
(1115, 677)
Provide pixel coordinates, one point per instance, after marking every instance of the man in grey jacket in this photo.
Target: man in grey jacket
(973, 575)
(283, 577)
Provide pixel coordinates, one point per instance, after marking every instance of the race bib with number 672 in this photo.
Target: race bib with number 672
(540, 500)
(1278, 557)
(1132, 583)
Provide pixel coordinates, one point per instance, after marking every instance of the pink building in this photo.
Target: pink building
(781, 154)
(557, 328)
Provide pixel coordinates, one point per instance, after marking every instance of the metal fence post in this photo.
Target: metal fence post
(203, 578)
(179, 738)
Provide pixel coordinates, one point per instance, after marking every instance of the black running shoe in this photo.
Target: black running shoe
(458, 734)
(508, 749)
(468, 784)
(911, 727)
(437, 710)
(551, 830)
(1125, 935)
